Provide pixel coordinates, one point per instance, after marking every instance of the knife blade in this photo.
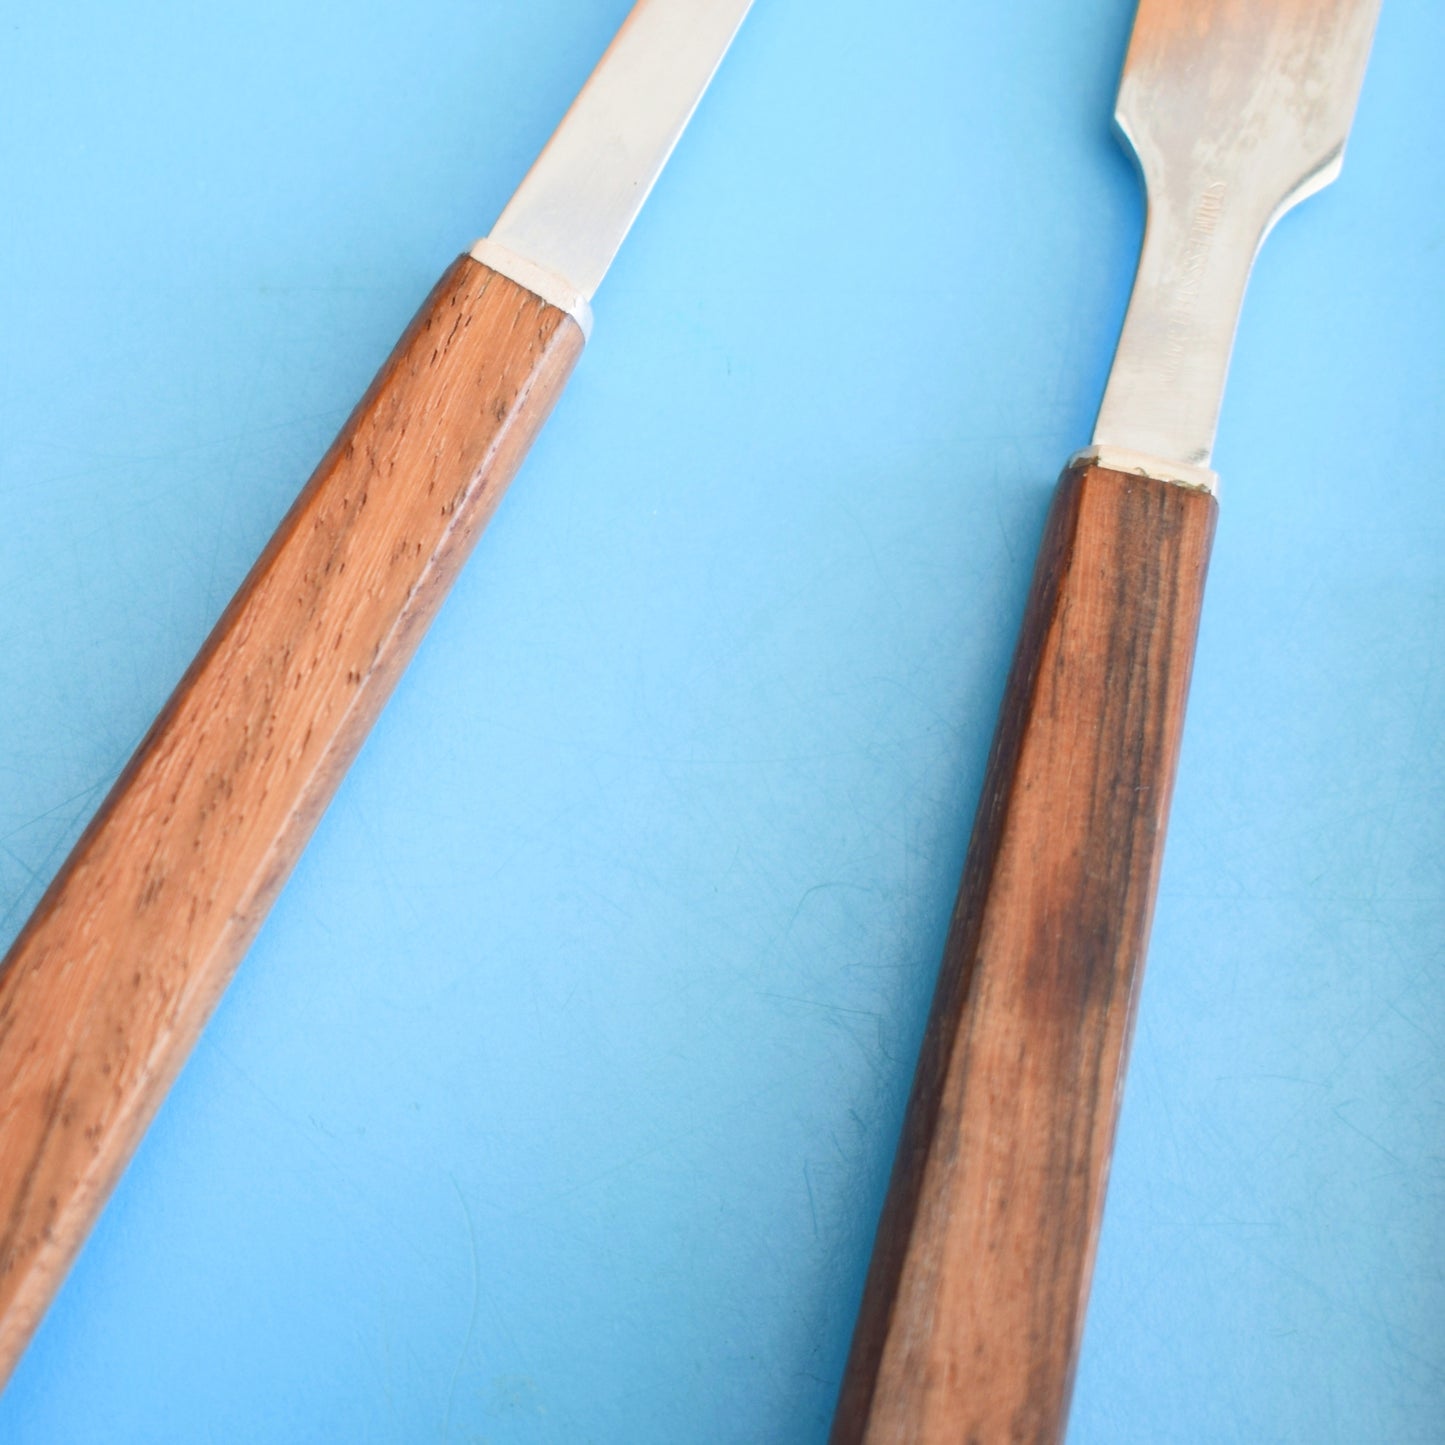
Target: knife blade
(974, 1303)
(108, 985)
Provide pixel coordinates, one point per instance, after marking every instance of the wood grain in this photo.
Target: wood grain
(105, 991)
(975, 1297)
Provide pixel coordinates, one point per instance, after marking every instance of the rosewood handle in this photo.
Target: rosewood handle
(975, 1297)
(107, 987)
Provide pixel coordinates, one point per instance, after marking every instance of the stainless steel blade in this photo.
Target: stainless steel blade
(579, 200)
(1235, 110)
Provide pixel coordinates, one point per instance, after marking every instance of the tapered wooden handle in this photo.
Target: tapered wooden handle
(975, 1298)
(106, 989)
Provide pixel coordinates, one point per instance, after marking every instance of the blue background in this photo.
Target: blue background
(556, 1101)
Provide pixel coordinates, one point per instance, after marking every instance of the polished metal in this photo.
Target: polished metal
(579, 200)
(1236, 110)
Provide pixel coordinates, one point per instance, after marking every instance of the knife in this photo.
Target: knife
(974, 1302)
(108, 985)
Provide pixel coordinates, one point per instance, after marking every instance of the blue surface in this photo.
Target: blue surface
(555, 1102)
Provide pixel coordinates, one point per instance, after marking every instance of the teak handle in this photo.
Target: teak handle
(106, 989)
(974, 1302)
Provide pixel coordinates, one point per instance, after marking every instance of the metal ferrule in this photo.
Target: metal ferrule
(555, 290)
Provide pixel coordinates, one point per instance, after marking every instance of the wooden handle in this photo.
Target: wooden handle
(105, 991)
(975, 1298)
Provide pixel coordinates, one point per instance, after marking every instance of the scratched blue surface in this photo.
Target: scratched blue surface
(555, 1102)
